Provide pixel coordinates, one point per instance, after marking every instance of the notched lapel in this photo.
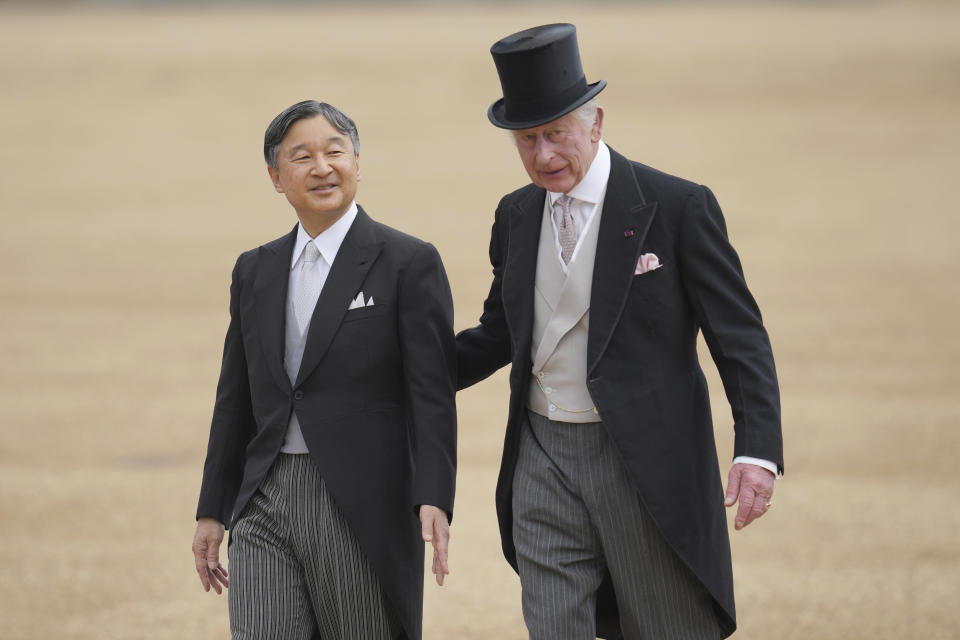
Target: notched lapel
(356, 255)
(270, 295)
(624, 225)
(520, 265)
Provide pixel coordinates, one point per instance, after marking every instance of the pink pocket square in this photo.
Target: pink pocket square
(647, 262)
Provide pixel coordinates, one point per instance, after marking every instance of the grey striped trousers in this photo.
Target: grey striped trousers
(577, 514)
(296, 569)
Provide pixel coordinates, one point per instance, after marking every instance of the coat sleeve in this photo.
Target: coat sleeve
(732, 327)
(428, 352)
(233, 424)
(483, 349)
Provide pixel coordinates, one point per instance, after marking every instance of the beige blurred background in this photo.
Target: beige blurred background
(131, 177)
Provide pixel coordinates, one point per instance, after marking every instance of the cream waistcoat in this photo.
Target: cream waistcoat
(561, 319)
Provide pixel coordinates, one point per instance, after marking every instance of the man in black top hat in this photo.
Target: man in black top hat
(610, 499)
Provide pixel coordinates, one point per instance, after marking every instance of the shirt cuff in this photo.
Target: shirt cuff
(760, 462)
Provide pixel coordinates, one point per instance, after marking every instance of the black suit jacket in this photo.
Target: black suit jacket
(642, 367)
(374, 396)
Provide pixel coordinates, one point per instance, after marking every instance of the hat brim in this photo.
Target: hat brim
(497, 111)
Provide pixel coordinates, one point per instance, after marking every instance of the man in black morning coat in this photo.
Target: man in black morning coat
(610, 500)
(334, 426)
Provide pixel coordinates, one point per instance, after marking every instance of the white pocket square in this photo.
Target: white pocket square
(358, 302)
(647, 262)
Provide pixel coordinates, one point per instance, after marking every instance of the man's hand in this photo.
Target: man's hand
(753, 486)
(435, 528)
(206, 553)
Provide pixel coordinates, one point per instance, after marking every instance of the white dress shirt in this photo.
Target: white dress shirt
(587, 195)
(328, 243)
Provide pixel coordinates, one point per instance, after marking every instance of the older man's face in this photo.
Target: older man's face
(558, 154)
(316, 169)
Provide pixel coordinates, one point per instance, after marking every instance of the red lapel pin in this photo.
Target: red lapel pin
(628, 233)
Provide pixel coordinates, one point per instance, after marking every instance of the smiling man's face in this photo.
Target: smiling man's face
(317, 170)
(558, 154)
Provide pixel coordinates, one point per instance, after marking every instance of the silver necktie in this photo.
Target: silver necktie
(567, 228)
(308, 289)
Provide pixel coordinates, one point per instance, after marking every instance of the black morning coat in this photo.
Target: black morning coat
(374, 396)
(642, 367)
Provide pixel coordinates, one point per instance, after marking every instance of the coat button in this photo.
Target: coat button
(298, 395)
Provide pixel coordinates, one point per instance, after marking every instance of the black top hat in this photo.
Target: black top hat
(541, 77)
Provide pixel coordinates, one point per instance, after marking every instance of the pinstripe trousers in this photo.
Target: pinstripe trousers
(296, 569)
(577, 515)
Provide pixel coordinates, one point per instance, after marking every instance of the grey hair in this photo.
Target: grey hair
(586, 113)
(306, 109)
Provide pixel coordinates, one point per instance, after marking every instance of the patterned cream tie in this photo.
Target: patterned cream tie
(566, 227)
(308, 289)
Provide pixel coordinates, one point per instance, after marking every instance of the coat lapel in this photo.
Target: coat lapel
(357, 254)
(270, 295)
(520, 267)
(624, 225)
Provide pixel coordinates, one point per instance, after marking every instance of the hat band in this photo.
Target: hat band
(541, 107)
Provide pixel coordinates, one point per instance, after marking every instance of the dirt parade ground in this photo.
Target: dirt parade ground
(131, 177)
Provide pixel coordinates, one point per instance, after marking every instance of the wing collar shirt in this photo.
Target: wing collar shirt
(328, 243)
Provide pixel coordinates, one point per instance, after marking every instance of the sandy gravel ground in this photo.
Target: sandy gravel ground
(131, 177)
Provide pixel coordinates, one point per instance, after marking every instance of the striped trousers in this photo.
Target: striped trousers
(296, 568)
(577, 515)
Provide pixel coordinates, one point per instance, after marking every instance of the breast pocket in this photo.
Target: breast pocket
(650, 296)
(370, 332)
(363, 313)
(650, 279)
